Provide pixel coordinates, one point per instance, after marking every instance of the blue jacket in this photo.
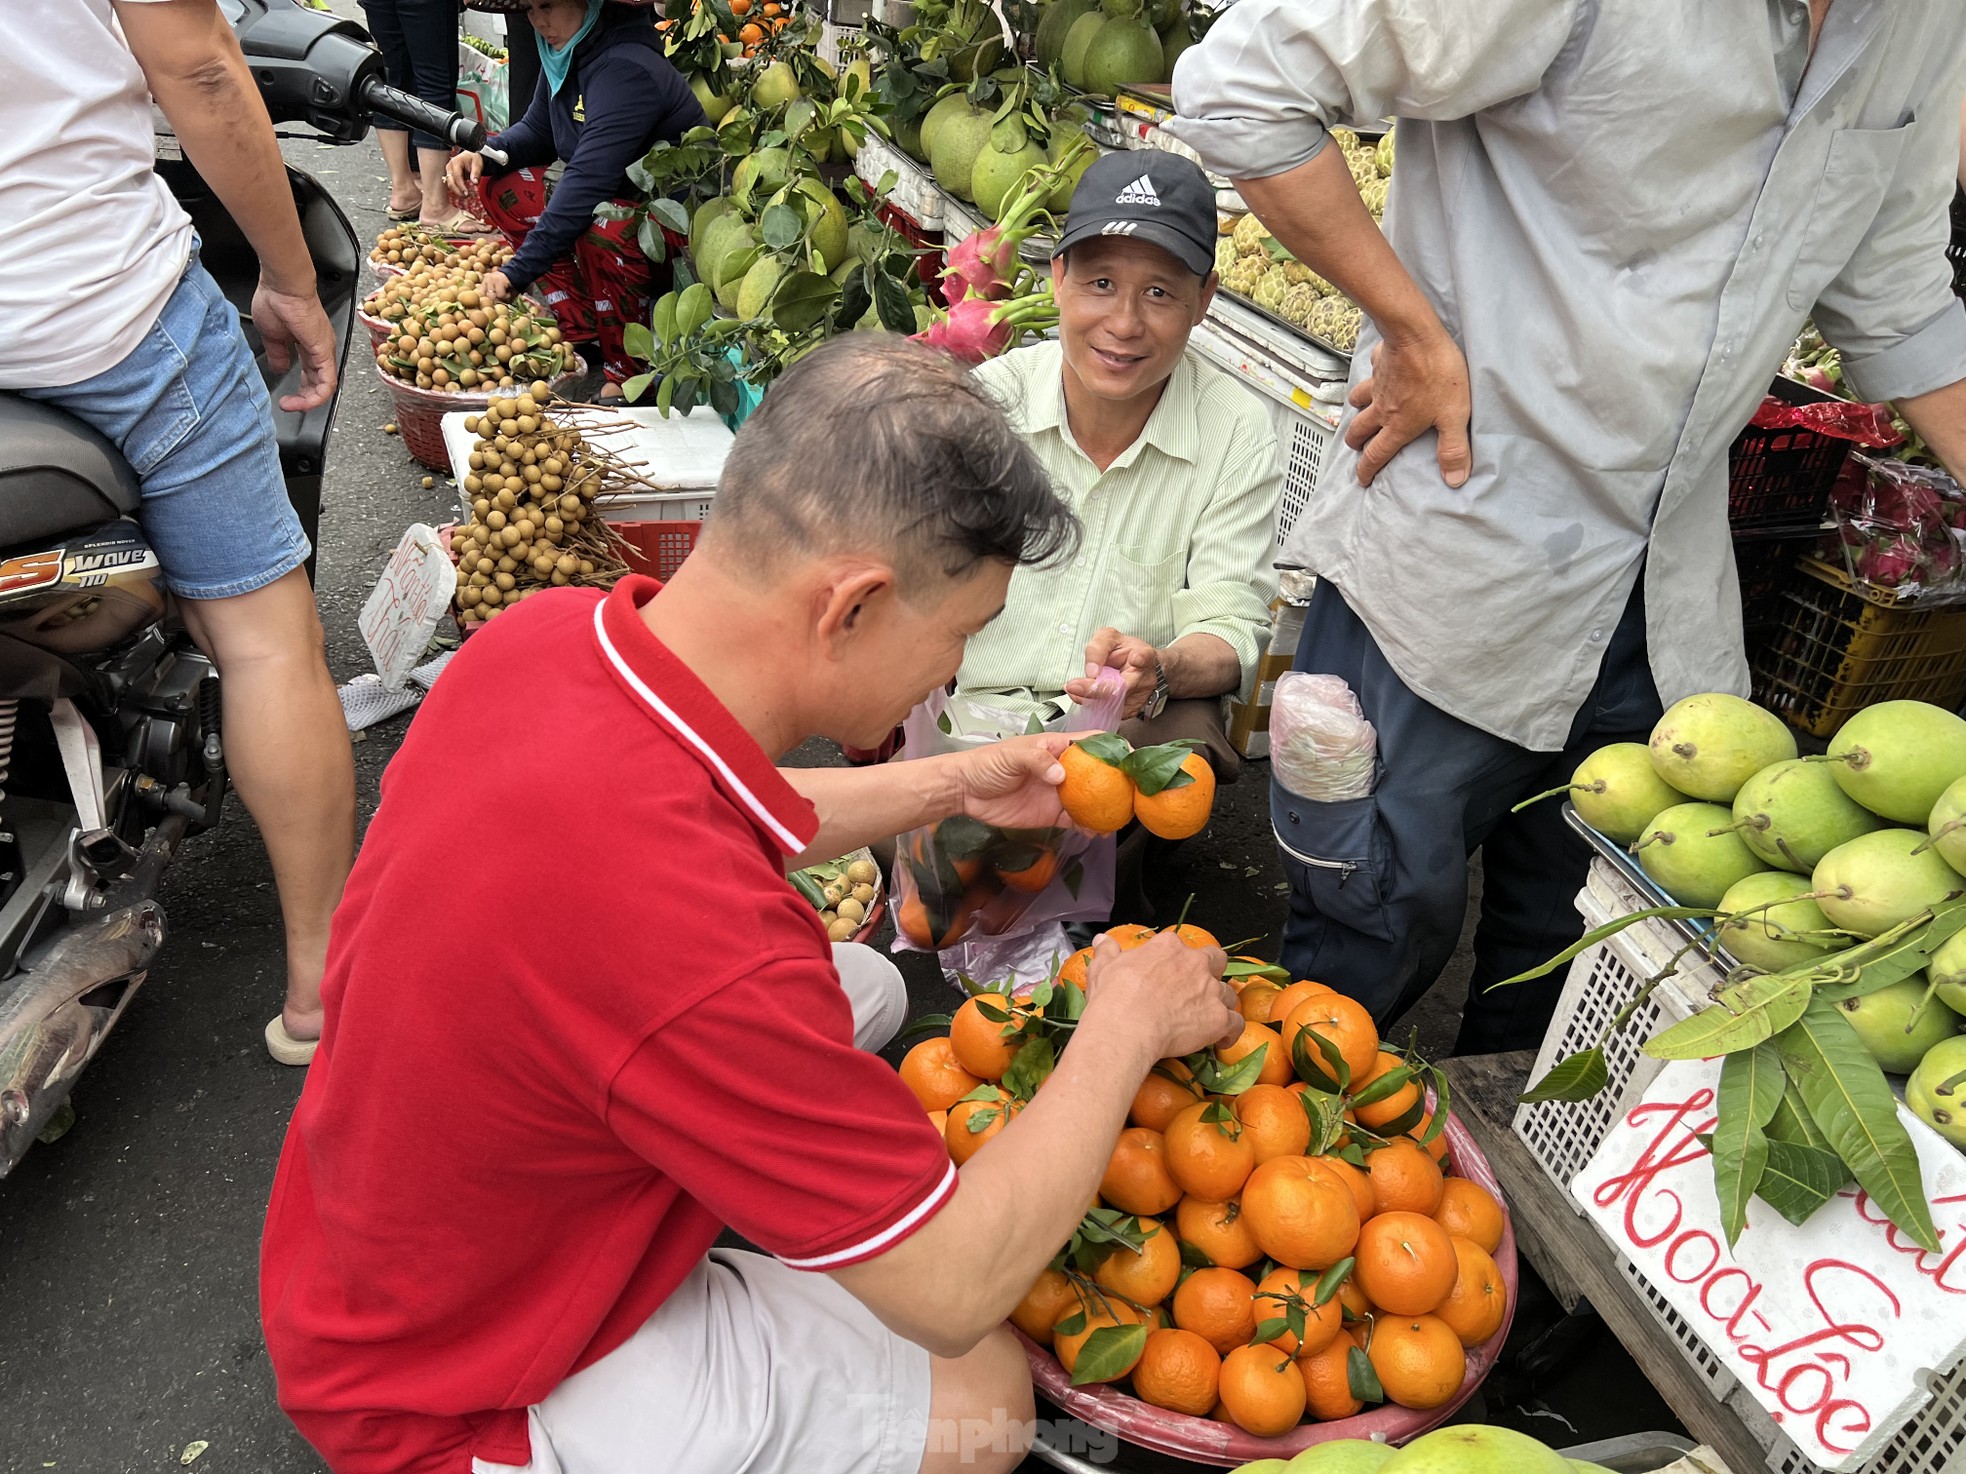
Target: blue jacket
(620, 97)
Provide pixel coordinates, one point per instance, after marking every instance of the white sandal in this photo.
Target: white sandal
(286, 1049)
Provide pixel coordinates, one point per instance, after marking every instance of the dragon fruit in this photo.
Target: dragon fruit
(985, 265)
(976, 328)
(1889, 563)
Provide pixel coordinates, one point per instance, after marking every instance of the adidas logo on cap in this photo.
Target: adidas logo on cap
(1140, 192)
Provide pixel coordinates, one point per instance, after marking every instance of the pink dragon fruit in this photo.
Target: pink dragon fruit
(985, 264)
(1890, 563)
(975, 328)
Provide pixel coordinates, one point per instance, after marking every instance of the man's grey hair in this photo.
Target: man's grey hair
(872, 442)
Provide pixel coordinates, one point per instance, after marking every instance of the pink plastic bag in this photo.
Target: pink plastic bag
(1901, 529)
(963, 880)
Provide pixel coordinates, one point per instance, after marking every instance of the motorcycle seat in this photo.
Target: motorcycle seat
(57, 475)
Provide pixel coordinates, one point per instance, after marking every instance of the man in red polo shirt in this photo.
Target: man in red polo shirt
(578, 1022)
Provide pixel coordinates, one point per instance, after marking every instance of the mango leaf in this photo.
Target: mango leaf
(1800, 1179)
(1793, 1124)
(1872, 966)
(1157, 769)
(1610, 929)
(1364, 1379)
(1331, 1281)
(1751, 1085)
(1030, 1066)
(1108, 1353)
(896, 307)
(1579, 1077)
(694, 307)
(1109, 747)
(1744, 1014)
(1848, 1098)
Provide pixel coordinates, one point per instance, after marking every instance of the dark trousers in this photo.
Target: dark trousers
(418, 41)
(1379, 885)
(522, 67)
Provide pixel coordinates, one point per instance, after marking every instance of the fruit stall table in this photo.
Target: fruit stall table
(1577, 1263)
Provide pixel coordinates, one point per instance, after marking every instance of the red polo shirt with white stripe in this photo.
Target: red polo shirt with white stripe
(577, 1022)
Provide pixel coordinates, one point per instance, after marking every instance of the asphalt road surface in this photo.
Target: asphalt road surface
(128, 1249)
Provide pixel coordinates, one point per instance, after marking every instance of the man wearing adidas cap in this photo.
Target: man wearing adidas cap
(1170, 465)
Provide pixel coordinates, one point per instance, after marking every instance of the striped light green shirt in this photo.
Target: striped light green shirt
(1178, 533)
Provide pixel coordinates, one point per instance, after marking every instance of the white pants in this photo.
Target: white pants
(750, 1367)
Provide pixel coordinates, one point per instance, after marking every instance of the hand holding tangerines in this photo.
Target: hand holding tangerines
(1013, 784)
(1165, 986)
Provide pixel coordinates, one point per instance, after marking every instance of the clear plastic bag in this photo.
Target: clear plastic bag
(1901, 530)
(1321, 746)
(963, 881)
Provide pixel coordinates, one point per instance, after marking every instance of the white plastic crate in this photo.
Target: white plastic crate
(683, 452)
(914, 194)
(1563, 1138)
(1305, 423)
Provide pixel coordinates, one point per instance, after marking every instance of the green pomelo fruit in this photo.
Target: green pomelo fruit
(1123, 51)
(958, 142)
(1709, 745)
(1947, 824)
(951, 106)
(1165, 13)
(1885, 1021)
(1695, 865)
(861, 70)
(714, 105)
(830, 231)
(1078, 41)
(1948, 969)
(1174, 40)
(1053, 27)
(707, 214)
(862, 244)
(1935, 1096)
(1342, 1456)
(729, 231)
(758, 285)
(1877, 880)
(1897, 758)
(1476, 1448)
(908, 138)
(733, 266)
(1617, 791)
(760, 175)
(840, 274)
(1060, 198)
(995, 175)
(1792, 813)
(1785, 933)
(777, 85)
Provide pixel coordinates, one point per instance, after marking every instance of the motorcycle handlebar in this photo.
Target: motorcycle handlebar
(413, 112)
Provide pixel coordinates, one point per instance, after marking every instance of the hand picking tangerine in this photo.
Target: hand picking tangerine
(979, 1040)
(1381, 1113)
(1273, 1122)
(1191, 935)
(932, 1071)
(1210, 1159)
(1406, 1263)
(1218, 1306)
(1168, 1090)
(1179, 813)
(1420, 1361)
(1097, 795)
(1257, 1002)
(1280, 1292)
(1131, 934)
(1404, 1178)
(1276, 1060)
(1050, 1298)
(1300, 1215)
(1471, 1211)
(1072, 969)
(1474, 1308)
(1179, 1371)
(1145, 1276)
(1136, 1179)
(1328, 1381)
(1217, 1231)
(973, 1122)
(1344, 1022)
(1098, 1315)
(1263, 1390)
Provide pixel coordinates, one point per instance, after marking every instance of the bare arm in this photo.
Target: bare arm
(195, 70)
(1940, 420)
(1021, 1196)
(1419, 379)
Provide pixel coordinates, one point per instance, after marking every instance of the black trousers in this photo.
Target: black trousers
(1379, 885)
(418, 41)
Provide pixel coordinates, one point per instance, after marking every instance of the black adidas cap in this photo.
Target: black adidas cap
(1150, 196)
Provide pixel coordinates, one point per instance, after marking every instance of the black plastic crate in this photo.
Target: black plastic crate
(1779, 480)
(1956, 252)
(1766, 566)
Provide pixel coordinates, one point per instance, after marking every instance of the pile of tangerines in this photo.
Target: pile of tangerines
(1278, 1234)
(755, 23)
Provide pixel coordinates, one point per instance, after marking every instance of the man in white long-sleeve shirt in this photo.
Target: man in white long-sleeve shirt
(1609, 220)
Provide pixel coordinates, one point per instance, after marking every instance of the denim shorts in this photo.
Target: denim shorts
(190, 413)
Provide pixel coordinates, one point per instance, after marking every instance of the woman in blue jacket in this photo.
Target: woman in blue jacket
(606, 94)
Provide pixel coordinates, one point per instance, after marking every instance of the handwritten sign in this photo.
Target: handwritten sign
(1828, 1326)
(406, 603)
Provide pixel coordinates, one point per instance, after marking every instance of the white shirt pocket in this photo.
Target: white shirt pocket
(1862, 163)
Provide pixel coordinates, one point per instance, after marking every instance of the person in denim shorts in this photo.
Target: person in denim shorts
(105, 312)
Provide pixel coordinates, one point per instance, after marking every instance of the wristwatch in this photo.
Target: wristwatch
(1157, 703)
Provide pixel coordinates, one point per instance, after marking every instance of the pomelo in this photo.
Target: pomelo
(1617, 791)
(713, 103)
(1004, 161)
(754, 292)
(1691, 851)
(1707, 746)
(777, 85)
(1897, 758)
(1174, 40)
(1078, 40)
(1123, 51)
(829, 231)
(958, 142)
(908, 138)
(949, 105)
(707, 213)
(1778, 931)
(1935, 1096)
(760, 175)
(1060, 198)
(1342, 1456)
(1792, 813)
(1053, 26)
(1884, 1021)
(1871, 883)
(1476, 1448)
(729, 233)
(1947, 824)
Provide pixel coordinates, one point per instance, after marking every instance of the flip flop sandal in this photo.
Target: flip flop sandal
(286, 1049)
(464, 223)
(402, 216)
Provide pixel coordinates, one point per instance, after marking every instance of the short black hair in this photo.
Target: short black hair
(874, 441)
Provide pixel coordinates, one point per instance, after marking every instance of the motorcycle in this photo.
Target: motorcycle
(111, 746)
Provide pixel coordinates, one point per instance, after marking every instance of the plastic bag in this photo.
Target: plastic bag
(1867, 424)
(482, 88)
(1900, 530)
(962, 880)
(1321, 746)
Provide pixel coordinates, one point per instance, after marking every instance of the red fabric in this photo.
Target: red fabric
(577, 1022)
(608, 281)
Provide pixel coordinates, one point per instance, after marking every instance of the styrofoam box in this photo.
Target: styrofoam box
(683, 452)
(1564, 1137)
(914, 194)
